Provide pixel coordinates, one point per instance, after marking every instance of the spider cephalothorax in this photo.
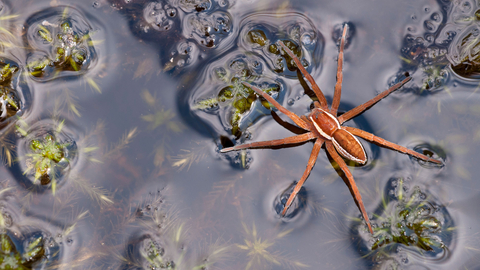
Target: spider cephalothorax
(324, 126)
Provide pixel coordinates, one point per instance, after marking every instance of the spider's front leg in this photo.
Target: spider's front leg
(272, 143)
(295, 118)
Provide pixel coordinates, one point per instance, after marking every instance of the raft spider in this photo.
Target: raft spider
(325, 127)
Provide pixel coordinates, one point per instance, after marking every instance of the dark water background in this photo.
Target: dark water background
(135, 99)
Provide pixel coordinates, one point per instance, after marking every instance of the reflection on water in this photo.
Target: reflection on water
(113, 113)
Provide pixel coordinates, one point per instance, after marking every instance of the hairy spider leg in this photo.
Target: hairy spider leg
(338, 85)
(295, 118)
(356, 193)
(315, 88)
(361, 108)
(311, 162)
(384, 143)
(285, 141)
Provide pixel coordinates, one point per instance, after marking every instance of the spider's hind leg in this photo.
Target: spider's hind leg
(384, 143)
(356, 193)
(311, 161)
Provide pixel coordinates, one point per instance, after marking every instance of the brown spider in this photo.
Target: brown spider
(324, 126)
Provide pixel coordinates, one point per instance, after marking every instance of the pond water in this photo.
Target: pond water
(114, 114)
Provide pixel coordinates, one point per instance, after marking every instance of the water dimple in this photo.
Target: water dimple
(208, 30)
(298, 204)
(157, 16)
(190, 6)
(436, 17)
(433, 151)
(183, 55)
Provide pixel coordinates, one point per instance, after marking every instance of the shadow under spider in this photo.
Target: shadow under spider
(324, 126)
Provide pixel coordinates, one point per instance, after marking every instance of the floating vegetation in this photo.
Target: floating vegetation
(258, 250)
(409, 220)
(163, 122)
(164, 241)
(10, 101)
(434, 77)
(8, 38)
(158, 16)
(465, 52)
(23, 258)
(296, 31)
(61, 44)
(187, 157)
(233, 100)
(208, 29)
(185, 54)
(45, 153)
(14, 97)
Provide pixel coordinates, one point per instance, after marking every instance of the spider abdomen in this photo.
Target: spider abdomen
(325, 123)
(349, 146)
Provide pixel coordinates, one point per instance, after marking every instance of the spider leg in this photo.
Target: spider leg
(384, 143)
(311, 161)
(361, 108)
(289, 140)
(315, 88)
(338, 85)
(343, 166)
(295, 118)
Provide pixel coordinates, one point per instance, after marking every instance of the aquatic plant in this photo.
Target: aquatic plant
(258, 252)
(13, 259)
(10, 102)
(163, 122)
(410, 220)
(61, 44)
(69, 55)
(235, 98)
(47, 156)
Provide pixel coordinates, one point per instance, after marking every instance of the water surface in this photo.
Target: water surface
(114, 114)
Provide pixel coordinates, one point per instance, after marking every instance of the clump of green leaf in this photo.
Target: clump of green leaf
(409, 219)
(12, 259)
(9, 100)
(259, 251)
(265, 39)
(46, 157)
(434, 76)
(165, 243)
(70, 49)
(277, 50)
(235, 97)
(155, 256)
(160, 116)
(69, 54)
